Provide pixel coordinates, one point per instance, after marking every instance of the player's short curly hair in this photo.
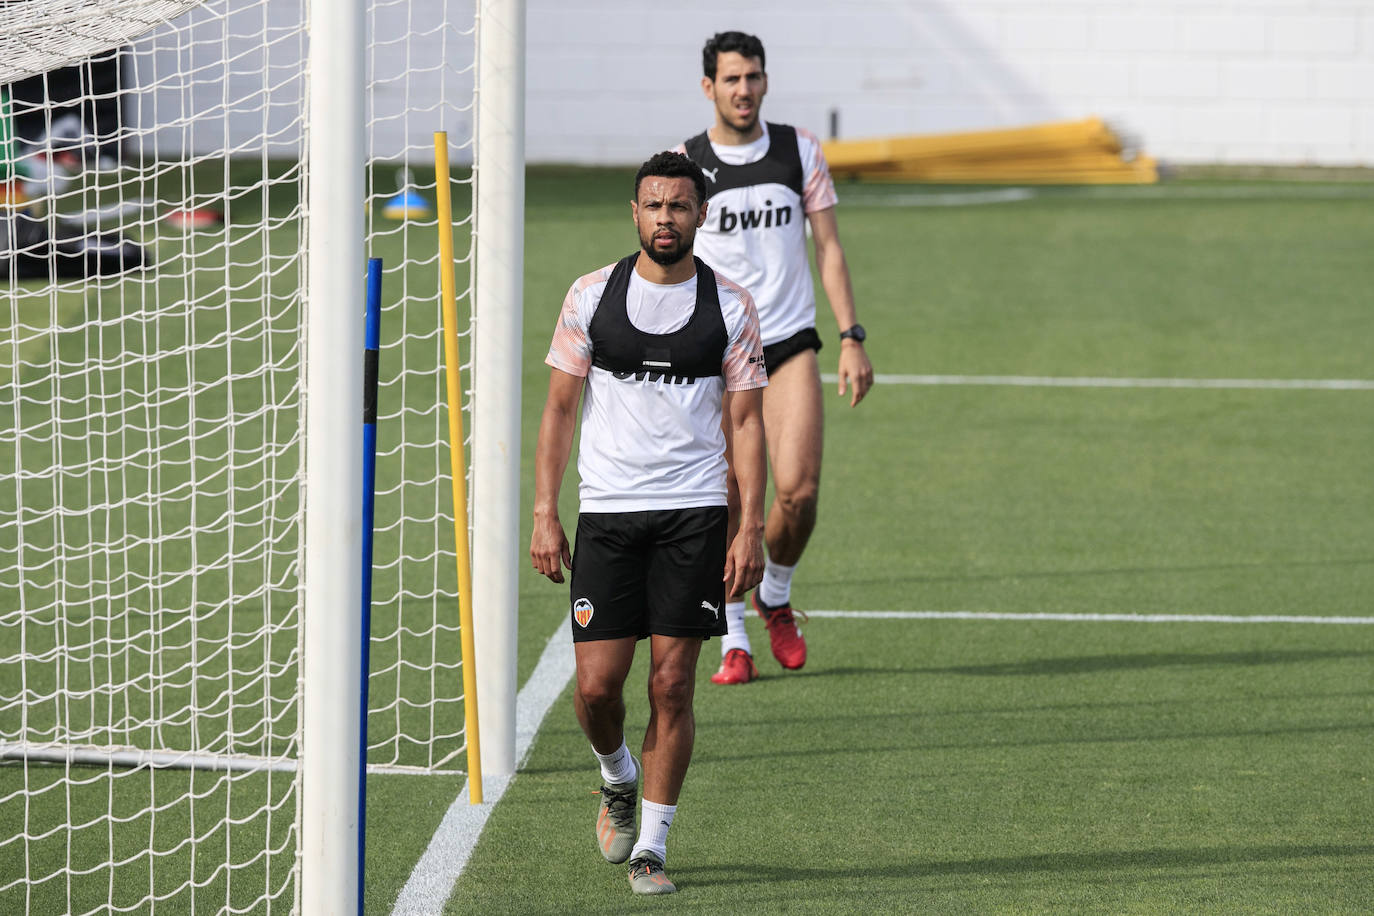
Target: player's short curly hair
(741, 43)
(669, 164)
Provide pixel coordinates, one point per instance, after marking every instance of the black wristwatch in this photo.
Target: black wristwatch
(856, 333)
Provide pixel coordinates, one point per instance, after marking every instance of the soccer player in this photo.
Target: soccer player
(763, 179)
(653, 346)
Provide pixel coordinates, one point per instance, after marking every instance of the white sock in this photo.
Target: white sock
(776, 588)
(618, 766)
(654, 821)
(736, 637)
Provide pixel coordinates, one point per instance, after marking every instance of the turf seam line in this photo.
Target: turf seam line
(432, 881)
(944, 199)
(1056, 381)
(1095, 618)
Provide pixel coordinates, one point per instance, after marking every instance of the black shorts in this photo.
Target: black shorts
(637, 573)
(774, 355)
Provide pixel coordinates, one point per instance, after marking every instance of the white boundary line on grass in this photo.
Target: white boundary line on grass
(1060, 381)
(431, 882)
(1092, 618)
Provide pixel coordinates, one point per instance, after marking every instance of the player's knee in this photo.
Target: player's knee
(671, 690)
(598, 696)
(798, 500)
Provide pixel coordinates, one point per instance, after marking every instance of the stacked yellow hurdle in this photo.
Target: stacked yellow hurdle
(1061, 152)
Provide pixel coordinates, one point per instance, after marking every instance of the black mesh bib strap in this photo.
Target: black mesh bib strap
(780, 165)
(696, 350)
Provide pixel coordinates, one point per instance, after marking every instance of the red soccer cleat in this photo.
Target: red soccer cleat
(736, 668)
(789, 647)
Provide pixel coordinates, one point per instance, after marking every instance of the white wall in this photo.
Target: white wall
(1198, 81)
(612, 81)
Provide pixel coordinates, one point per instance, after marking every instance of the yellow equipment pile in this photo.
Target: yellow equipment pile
(1062, 152)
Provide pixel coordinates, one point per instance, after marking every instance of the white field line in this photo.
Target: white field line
(432, 880)
(1093, 618)
(1072, 381)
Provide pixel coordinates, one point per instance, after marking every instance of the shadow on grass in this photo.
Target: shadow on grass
(1107, 860)
(907, 716)
(1088, 664)
(999, 740)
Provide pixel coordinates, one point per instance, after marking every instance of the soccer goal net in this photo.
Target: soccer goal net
(158, 160)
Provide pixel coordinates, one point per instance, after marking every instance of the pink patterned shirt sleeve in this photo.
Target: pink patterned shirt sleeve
(743, 364)
(571, 350)
(818, 192)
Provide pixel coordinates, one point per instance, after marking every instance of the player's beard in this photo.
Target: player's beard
(741, 125)
(669, 256)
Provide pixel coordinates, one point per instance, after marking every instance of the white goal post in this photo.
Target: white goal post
(189, 192)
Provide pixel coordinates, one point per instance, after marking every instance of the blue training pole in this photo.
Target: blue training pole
(370, 359)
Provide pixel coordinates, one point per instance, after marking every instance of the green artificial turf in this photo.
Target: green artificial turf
(1020, 766)
(930, 765)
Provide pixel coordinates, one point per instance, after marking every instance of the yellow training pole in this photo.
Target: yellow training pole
(457, 462)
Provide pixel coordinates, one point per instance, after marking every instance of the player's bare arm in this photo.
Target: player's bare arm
(855, 371)
(744, 559)
(549, 550)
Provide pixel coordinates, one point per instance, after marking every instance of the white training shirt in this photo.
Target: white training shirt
(768, 259)
(654, 444)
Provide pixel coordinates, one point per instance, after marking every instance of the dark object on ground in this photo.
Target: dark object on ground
(30, 249)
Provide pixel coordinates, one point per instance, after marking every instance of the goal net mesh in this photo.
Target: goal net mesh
(153, 260)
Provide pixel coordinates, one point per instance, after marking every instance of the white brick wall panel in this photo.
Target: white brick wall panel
(1308, 34)
(1225, 124)
(1313, 126)
(1352, 82)
(873, 118)
(1098, 74)
(1233, 34)
(922, 76)
(957, 75)
(987, 82)
(1269, 80)
(578, 70)
(1177, 78)
(1364, 131)
(553, 28)
(874, 31)
(1035, 32)
(931, 30)
(1128, 32)
(965, 25)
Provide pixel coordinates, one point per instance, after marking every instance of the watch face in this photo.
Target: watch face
(855, 333)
